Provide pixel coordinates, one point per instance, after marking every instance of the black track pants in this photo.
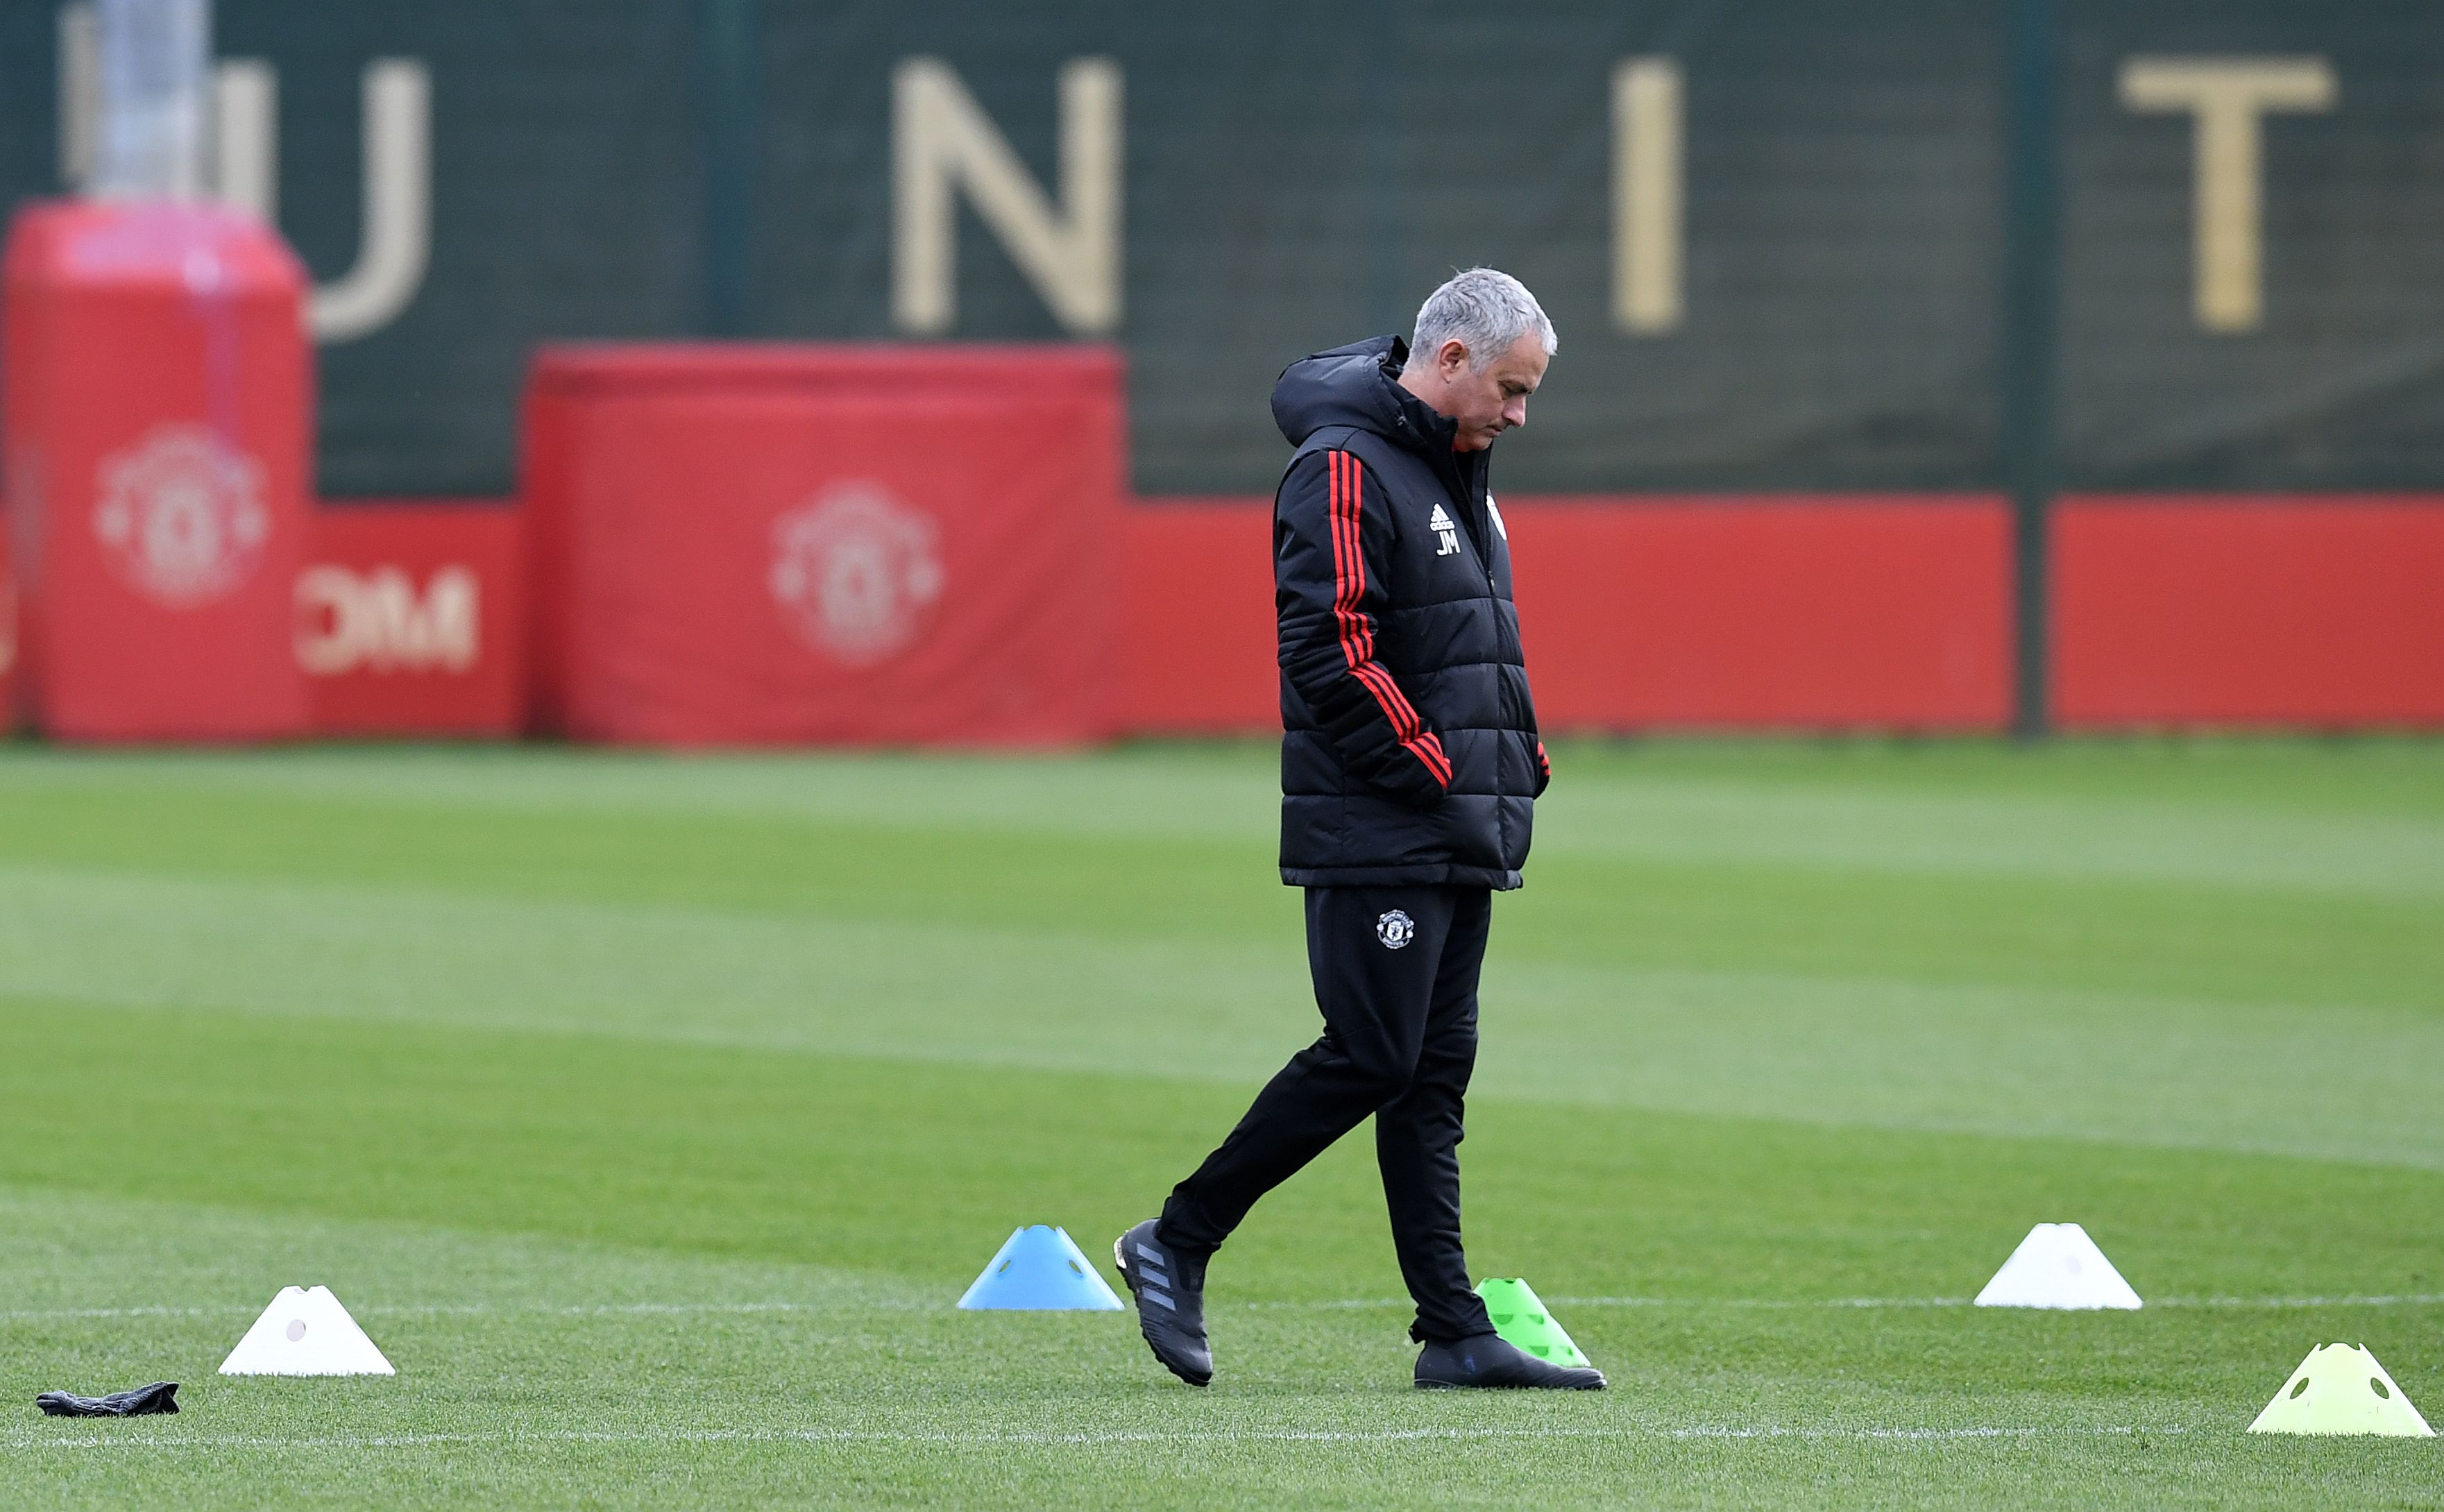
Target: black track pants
(1396, 972)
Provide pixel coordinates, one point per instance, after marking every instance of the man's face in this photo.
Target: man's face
(1491, 397)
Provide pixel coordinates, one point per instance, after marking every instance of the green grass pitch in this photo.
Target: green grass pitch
(652, 1112)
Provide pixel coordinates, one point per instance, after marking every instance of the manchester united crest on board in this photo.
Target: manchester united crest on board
(1396, 929)
(856, 572)
(181, 516)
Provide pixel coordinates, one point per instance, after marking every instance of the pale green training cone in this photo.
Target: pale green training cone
(1520, 1317)
(2339, 1388)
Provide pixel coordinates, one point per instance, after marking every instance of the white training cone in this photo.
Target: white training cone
(2058, 1265)
(2341, 1388)
(306, 1333)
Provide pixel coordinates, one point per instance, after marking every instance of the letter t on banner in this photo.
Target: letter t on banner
(2227, 96)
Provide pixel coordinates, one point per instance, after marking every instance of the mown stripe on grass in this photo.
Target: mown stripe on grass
(2330, 1081)
(1707, 908)
(813, 1158)
(1953, 811)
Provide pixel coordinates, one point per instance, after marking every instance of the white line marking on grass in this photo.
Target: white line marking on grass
(37, 1314)
(1856, 1303)
(1771, 1303)
(1062, 1439)
(1332, 1305)
(2404, 1300)
(486, 1309)
(651, 1309)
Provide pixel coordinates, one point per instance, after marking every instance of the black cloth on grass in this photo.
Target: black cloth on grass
(162, 1396)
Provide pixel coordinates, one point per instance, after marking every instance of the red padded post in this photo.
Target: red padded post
(155, 399)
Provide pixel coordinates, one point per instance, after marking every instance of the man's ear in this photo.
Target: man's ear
(1451, 358)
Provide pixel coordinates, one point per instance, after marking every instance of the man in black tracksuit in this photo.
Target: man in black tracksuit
(1410, 770)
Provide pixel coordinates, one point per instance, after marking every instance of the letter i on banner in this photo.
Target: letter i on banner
(1646, 195)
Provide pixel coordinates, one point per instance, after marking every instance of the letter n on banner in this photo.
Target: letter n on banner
(941, 140)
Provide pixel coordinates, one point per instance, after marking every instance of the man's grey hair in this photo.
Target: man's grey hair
(1485, 309)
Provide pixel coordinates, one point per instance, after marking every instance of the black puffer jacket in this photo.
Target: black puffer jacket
(1409, 749)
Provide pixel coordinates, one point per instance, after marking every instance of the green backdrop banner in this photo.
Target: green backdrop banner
(1771, 232)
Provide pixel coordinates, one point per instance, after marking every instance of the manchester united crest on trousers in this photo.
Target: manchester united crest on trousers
(1394, 930)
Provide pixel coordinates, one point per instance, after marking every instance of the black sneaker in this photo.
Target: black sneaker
(1488, 1359)
(1170, 1290)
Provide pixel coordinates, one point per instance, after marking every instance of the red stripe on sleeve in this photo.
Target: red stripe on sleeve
(1343, 493)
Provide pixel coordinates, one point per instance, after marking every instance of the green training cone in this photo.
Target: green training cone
(1520, 1317)
(2339, 1388)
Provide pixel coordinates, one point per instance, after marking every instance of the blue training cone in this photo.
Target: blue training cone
(1042, 1270)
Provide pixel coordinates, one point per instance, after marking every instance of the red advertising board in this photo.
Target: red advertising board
(826, 542)
(2227, 610)
(157, 422)
(7, 638)
(1860, 612)
(411, 618)
(1196, 646)
(1824, 613)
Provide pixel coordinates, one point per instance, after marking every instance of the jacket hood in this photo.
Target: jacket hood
(1353, 385)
